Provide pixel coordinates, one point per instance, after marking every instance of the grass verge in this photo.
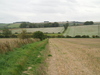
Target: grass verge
(17, 61)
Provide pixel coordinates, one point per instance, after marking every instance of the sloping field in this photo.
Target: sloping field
(74, 57)
(15, 25)
(48, 30)
(83, 30)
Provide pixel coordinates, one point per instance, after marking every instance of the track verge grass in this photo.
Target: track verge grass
(17, 61)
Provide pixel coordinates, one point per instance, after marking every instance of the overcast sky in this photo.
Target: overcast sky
(49, 10)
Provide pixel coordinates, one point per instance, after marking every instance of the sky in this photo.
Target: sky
(49, 10)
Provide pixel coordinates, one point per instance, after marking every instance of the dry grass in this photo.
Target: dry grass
(9, 44)
(74, 57)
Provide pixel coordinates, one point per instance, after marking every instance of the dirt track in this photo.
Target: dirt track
(74, 57)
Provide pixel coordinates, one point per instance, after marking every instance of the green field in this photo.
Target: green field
(11, 25)
(83, 30)
(45, 30)
(15, 25)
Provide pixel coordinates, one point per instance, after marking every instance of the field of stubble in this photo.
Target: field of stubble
(74, 57)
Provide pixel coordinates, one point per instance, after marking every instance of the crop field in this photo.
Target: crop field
(83, 30)
(74, 57)
(45, 30)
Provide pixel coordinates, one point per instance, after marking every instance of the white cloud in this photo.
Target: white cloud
(52, 10)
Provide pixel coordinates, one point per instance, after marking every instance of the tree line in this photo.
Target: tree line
(88, 23)
(6, 33)
(38, 25)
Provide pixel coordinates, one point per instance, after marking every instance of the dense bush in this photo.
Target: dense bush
(68, 36)
(95, 36)
(40, 35)
(85, 36)
(23, 35)
(88, 36)
(78, 36)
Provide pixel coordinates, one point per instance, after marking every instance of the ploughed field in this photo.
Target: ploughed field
(74, 56)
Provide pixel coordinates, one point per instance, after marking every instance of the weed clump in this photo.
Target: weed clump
(49, 55)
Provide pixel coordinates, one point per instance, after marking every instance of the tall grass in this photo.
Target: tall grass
(10, 45)
(30, 55)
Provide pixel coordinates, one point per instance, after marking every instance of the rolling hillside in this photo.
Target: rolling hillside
(83, 30)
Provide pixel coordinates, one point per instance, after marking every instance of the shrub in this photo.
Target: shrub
(78, 36)
(40, 35)
(49, 55)
(95, 36)
(23, 35)
(16, 32)
(85, 36)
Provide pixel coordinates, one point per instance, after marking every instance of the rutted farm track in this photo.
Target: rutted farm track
(74, 57)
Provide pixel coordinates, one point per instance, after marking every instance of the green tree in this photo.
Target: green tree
(6, 32)
(23, 25)
(38, 34)
(91, 22)
(55, 24)
(66, 25)
(88, 23)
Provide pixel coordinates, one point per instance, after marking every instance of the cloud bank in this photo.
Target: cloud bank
(49, 10)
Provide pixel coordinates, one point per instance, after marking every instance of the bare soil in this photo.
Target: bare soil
(74, 57)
